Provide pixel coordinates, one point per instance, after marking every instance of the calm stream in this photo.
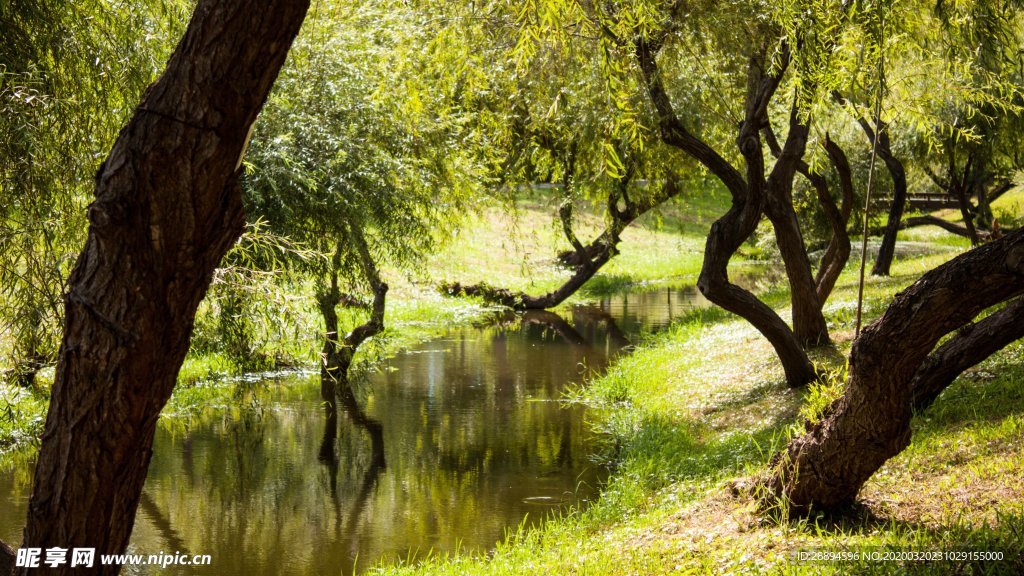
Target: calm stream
(472, 442)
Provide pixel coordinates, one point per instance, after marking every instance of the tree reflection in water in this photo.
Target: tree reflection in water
(477, 440)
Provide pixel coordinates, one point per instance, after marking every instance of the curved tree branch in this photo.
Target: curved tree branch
(929, 220)
(838, 251)
(673, 132)
(809, 324)
(826, 467)
(748, 201)
(972, 344)
(375, 324)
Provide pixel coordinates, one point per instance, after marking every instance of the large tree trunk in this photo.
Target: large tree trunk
(748, 199)
(870, 423)
(168, 206)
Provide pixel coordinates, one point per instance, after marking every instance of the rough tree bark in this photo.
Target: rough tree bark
(167, 207)
(7, 558)
(870, 423)
(838, 250)
(809, 324)
(748, 202)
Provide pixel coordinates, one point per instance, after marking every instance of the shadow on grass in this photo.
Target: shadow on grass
(988, 394)
(659, 450)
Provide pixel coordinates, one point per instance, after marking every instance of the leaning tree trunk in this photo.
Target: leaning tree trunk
(929, 220)
(729, 232)
(887, 248)
(870, 423)
(838, 251)
(168, 206)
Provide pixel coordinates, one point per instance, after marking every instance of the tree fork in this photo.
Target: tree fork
(838, 250)
(729, 232)
(809, 324)
(870, 423)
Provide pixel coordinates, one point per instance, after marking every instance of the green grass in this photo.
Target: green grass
(697, 410)
(517, 251)
(702, 407)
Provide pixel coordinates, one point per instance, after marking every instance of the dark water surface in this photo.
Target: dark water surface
(466, 439)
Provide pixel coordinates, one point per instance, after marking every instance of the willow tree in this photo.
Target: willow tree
(167, 206)
(934, 88)
(978, 145)
(563, 129)
(826, 467)
(770, 67)
(950, 319)
(547, 118)
(655, 61)
(360, 156)
(69, 76)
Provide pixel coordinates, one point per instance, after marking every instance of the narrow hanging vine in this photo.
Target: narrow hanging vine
(879, 89)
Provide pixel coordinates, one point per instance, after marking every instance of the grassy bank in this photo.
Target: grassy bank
(695, 411)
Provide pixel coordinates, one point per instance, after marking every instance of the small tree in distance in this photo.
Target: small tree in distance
(361, 156)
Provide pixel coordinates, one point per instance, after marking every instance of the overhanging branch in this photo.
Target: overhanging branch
(971, 344)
